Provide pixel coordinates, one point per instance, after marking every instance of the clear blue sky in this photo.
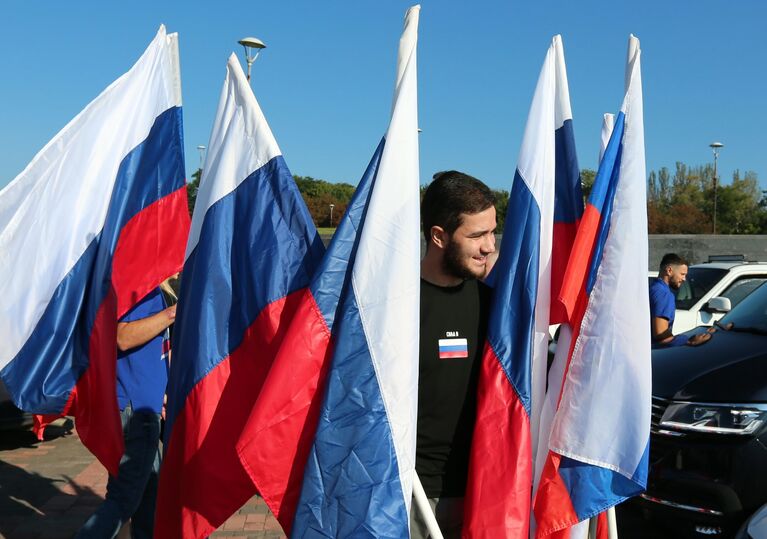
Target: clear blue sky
(325, 81)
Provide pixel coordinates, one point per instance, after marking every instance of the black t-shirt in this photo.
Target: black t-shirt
(453, 329)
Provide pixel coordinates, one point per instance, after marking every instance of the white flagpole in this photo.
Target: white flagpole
(612, 524)
(422, 503)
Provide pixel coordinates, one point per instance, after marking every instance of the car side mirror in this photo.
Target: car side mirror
(718, 305)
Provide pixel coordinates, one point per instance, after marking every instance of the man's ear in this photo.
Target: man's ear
(439, 237)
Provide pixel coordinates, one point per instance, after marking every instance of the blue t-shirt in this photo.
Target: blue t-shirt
(142, 372)
(663, 305)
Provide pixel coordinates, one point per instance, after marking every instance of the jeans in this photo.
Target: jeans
(132, 494)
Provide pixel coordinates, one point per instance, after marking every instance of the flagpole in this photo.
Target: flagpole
(612, 524)
(422, 502)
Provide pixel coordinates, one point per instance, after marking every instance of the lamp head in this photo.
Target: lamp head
(252, 43)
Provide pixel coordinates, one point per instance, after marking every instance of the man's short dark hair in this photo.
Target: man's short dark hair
(450, 194)
(671, 259)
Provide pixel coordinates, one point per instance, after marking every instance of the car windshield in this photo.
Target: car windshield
(699, 282)
(750, 314)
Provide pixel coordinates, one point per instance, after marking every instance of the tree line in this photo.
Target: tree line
(681, 202)
(320, 194)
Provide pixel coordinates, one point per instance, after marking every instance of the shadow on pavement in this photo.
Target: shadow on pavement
(21, 438)
(30, 502)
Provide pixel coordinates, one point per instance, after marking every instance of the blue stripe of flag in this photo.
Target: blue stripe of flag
(456, 348)
(603, 193)
(510, 335)
(593, 488)
(568, 194)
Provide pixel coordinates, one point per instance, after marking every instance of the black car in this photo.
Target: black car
(708, 445)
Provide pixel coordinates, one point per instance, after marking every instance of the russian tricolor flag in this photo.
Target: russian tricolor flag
(94, 223)
(545, 205)
(453, 348)
(599, 441)
(331, 441)
(251, 254)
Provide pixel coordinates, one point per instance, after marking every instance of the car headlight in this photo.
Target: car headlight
(715, 418)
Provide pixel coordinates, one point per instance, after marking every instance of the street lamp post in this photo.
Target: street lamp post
(715, 147)
(331, 214)
(251, 44)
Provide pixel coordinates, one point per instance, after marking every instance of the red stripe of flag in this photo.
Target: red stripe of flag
(276, 441)
(507, 469)
(201, 451)
(449, 355)
(150, 248)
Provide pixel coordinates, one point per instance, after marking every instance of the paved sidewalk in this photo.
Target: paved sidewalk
(48, 489)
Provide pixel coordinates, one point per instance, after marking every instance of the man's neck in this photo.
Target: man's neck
(433, 272)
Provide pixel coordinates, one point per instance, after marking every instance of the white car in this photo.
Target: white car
(726, 283)
(712, 289)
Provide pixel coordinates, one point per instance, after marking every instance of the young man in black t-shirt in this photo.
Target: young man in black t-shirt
(458, 215)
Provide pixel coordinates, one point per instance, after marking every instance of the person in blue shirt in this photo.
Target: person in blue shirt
(142, 377)
(672, 272)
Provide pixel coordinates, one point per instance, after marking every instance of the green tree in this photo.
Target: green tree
(320, 194)
(192, 188)
(587, 181)
(738, 210)
(501, 207)
(684, 203)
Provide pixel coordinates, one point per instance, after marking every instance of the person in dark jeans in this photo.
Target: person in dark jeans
(142, 377)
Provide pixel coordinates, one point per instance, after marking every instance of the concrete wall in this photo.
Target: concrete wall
(697, 248)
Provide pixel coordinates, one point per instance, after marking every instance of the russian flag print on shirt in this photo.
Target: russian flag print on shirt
(544, 209)
(598, 450)
(251, 253)
(331, 442)
(453, 348)
(95, 222)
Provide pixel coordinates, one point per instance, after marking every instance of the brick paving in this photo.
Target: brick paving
(48, 489)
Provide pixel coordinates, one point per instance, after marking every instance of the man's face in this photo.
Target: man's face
(467, 248)
(676, 276)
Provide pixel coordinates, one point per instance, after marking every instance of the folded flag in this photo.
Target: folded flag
(545, 205)
(554, 386)
(331, 441)
(96, 221)
(599, 442)
(252, 250)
